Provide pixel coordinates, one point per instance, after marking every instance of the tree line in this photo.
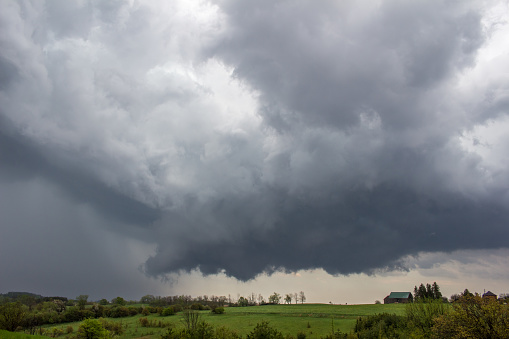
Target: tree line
(28, 311)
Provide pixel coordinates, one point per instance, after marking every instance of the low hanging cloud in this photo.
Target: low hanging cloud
(256, 136)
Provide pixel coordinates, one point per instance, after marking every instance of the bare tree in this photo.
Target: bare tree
(302, 297)
(190, 319)
(261, 300)
(296, 297)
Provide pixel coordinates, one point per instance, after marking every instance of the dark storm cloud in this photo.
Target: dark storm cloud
(20, 160)
(375, 79)
(254, 136)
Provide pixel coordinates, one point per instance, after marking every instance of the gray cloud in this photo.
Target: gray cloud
(251, 137)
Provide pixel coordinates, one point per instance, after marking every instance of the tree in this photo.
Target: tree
(474, 317)
(119, 301)
(261, 299)
(242, 302)
(436, 291)
(296, 297)
(288, 299)
(12, 316)
(190, 319)
(82, 301)
(302, 297)
(427, 292)
(275, 298)
(103, 302)
(147, 299)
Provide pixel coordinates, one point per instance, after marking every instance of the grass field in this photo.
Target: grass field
(316, 320)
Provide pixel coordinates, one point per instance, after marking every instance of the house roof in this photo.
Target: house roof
(400, 295)
(489, 294)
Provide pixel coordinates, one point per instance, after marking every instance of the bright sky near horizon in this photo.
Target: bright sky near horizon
(346, 149)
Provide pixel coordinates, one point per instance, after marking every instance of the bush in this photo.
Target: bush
(54, 332)
(473, 317)
(218, 310)
(263, 330)
(144, 322)
(421, 314)
(384, 324)
(119, 312)
(114, 327)
(92, 329)
(168, 311)
(301, 335)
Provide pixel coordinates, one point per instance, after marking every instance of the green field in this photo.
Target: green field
(316, 320)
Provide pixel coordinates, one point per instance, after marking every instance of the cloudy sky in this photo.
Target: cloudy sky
(343, 148)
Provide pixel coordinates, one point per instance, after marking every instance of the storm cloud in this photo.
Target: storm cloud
(257, 136)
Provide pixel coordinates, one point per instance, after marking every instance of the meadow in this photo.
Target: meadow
(315, 320)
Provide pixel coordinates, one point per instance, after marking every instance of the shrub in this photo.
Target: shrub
(301, 335)
(133, 310)
(177, 308)
(144, 322)
(263, 330)
(113, 326)
(421, 314)
(384, 324)
(473, 317)
(218, 310)
(92, 329)
(69, 329)
(168, 311)
(226, 333)
(119, 312)
(54, 332)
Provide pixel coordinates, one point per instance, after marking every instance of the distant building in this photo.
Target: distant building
(398, 297)
(489, 294)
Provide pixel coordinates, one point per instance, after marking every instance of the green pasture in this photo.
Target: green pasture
(316, 320)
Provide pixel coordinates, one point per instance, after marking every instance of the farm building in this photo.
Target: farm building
(489, 294)
(398, 297)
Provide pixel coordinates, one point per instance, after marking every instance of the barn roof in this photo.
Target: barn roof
(400, 295)
(489, 294)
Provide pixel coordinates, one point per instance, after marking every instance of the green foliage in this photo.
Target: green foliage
(242, 302)
(112, 326)
(383, 325)
(119, 312)
(421, 314)
(218, 310)
(263, 330)
(92, 329)
(12, 315)
(104, 302)
(82, 301)
(168, 311)
(202, 330)
(427, 292)
(190, 319)
(54, 332)
(119, 301)
(275, 298)
(474, 317)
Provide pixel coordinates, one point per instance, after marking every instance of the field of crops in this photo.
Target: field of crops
(316, 320)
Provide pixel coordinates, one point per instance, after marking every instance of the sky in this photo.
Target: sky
(346, 149)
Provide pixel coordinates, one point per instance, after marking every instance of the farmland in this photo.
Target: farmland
(315, 320)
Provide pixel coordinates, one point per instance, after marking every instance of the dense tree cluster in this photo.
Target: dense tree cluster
(427, 292)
